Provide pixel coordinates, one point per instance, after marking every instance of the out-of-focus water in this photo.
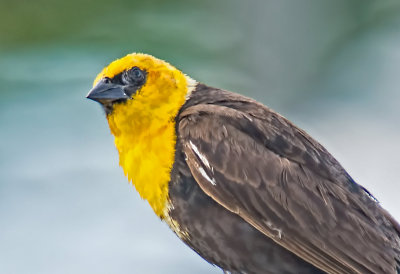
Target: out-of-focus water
(65, 206)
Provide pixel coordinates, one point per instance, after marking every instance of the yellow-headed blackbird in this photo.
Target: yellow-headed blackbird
(238, 183)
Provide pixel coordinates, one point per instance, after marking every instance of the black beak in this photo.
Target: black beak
(105, 92)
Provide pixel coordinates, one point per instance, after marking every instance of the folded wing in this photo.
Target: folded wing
(257, 164)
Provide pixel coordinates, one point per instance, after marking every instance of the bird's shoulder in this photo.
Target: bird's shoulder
(261, 124)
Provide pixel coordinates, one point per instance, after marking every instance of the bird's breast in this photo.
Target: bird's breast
(146, 154)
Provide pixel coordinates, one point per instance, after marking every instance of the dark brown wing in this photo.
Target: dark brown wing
(257, 164)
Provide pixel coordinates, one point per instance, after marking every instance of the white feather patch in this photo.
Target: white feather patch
(191, 85)
(205, 162)
(203, 172)
(201, 156)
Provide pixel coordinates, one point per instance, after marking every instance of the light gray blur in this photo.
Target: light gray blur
(331, 67)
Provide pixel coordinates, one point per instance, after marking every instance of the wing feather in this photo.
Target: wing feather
(288, 186)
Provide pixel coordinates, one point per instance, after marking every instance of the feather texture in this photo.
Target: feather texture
(285, 184)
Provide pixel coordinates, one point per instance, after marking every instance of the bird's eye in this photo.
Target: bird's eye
(133, 76)
(107, 80)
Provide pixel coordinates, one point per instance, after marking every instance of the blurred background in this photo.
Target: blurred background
(331, 67)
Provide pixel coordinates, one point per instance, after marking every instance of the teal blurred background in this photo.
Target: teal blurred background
(332, 67)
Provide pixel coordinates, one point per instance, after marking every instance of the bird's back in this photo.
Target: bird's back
(222, 219)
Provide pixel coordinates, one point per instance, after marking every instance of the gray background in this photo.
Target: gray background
(331, 67)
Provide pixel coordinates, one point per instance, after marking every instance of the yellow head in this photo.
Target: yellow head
(142, 96)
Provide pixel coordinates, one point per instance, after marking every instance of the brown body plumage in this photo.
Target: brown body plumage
(282, 182)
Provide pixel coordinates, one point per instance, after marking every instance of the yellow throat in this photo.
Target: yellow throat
(144, 126)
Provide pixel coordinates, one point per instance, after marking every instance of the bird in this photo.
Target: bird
(237, 182)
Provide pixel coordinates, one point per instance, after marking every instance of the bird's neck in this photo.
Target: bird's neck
(145, 138)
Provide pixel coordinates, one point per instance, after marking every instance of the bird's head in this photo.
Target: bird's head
(142, 96)
(143, 78)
